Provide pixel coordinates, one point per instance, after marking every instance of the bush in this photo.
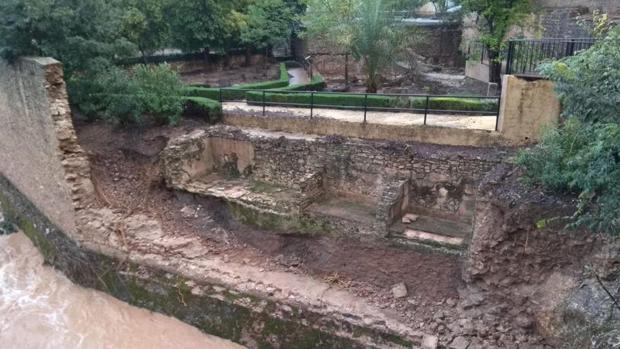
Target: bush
(205, 108)
(116, 95)
(583, 160)
(159, 91)
(582, 156)
(588, 84)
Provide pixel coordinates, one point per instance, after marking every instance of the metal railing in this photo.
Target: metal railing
(524, 56)
(420, 104)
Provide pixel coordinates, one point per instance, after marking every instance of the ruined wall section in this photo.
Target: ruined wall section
(363, 167)
(522, 255)
(39, 153)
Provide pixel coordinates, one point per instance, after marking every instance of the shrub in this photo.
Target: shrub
(159, 91)
(118, 96)
(582, 156)
(205, 108)
(588, 84)
(583, 160)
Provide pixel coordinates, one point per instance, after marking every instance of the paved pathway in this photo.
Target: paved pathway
(478, 122)
(298, 76)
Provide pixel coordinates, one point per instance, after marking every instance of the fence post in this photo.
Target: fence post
(365, 106)
(311, 104)
(511, 48)
(426, 109)
(221, 100)
(263, 102)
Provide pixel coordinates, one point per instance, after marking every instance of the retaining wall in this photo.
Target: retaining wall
(38, 147)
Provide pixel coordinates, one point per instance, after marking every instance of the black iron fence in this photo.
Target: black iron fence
(424, 106)
(524, 56)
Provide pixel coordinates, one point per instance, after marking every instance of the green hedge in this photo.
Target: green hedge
(237, 92)
(208, 109)
(374, 101)
(317, 84)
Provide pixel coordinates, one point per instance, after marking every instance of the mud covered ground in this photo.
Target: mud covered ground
(125, 170)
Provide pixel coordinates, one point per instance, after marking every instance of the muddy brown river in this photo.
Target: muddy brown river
(41, 308)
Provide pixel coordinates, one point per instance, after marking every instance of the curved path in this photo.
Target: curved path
(298, 76)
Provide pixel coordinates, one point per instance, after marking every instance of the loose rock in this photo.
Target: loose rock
(399, 290)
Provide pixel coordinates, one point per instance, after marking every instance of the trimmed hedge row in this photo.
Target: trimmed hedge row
(237, 92)
(374, 101)
(209, 109)
(317, 84)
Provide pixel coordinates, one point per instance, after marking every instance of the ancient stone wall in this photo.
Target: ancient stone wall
(39, 153)
(367, 167)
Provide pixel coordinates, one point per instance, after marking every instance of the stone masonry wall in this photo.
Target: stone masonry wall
(39, 153)
(361, 167)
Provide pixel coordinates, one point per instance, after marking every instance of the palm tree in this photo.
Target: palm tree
(376, 40)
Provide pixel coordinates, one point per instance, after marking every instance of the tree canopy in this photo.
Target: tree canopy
(367, 29)
(497, 16)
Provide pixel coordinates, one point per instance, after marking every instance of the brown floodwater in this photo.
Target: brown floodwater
(41, 308)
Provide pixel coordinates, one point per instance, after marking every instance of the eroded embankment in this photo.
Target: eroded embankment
(116, 226)
(546, 276)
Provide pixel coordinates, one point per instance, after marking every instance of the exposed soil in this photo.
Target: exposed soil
(126, 173)
(231, 76)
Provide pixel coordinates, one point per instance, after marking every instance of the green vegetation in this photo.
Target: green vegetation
(206, 108)
(343, 100)
(90, 36)
(582, 156)
(238, 92)
(316, 84)
(496, 18)
(367, 29)
(268, 23)
(121, 97)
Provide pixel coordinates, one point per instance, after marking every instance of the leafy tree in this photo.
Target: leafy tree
(268, 23)
(198, 25)
(334, 21)
(144, 24)
(582, 156)
(497, 17)
(73, 31)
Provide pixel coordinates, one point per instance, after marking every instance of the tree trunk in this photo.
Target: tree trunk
(495, 66)
(205, 54)
(144, 60)
(346, 69)
(371, 85)
(248, 56)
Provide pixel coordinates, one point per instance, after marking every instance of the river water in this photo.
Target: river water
(41, 308)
